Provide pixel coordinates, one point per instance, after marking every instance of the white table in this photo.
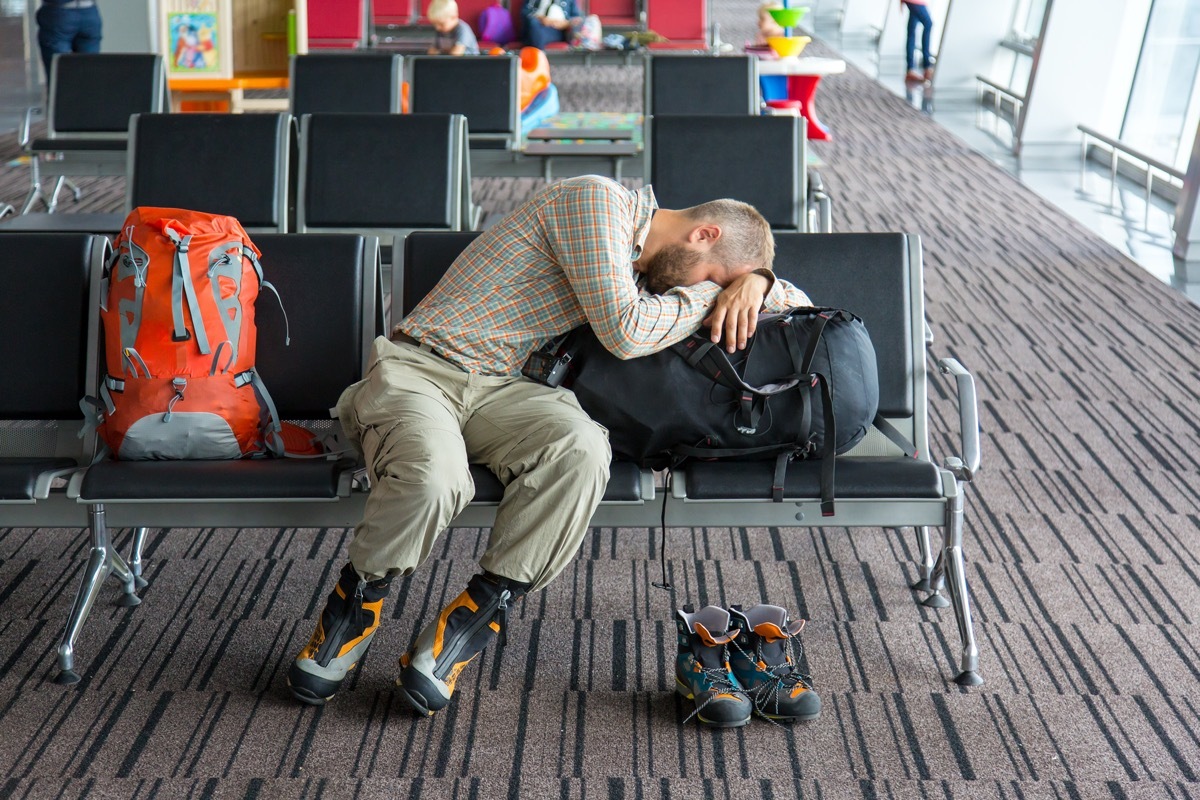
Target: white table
(803, 75)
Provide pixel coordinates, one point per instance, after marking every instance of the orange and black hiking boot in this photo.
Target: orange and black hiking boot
(344, 632)
(765, 660)
(702, 672)
(462, 630)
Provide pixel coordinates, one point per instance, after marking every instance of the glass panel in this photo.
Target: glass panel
(1031, 25)
(1027, 21)
(1022, 66)
(1165, 82)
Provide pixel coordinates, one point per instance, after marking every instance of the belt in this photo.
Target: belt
(400, 336)
(69, 3)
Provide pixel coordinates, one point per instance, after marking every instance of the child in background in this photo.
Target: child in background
(767, 26)
(453, 37)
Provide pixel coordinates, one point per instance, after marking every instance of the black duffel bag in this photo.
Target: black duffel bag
(806, 386)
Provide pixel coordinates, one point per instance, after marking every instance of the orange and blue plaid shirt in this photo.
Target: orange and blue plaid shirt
(562, 259)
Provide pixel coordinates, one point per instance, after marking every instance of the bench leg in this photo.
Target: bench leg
(959, 595)
(35, 186)
(937, 578)
(925, 566)
(102, 560)
(135, 558)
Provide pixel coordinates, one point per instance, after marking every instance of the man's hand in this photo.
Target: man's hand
(735, 313)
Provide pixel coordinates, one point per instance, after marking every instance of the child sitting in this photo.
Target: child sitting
(767, 26)
(453, 37)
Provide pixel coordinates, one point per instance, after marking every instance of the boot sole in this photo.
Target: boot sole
(312, 689)
(418, 699)
(798, 718)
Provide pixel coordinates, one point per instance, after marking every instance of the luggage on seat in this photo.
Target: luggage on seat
(177, 306)
(806, 386)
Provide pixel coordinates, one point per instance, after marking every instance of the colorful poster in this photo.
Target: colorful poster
(196, 37)
(195, 44)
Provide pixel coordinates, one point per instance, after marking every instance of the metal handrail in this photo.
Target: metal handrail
(1116, 150)
(1004, 90)
(1018, 101)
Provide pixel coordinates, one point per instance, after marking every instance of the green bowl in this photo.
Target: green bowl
(787, 17)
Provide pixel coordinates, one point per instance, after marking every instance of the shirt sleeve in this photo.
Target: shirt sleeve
(588, 228)
(783, 296)
(466, 37)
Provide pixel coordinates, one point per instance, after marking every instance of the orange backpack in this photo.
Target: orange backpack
(177, 307)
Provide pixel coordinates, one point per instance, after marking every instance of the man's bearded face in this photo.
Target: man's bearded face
(671, 266)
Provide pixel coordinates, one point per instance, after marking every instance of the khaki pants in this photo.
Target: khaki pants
(420, 421)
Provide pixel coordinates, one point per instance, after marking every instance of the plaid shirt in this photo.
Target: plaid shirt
(562, 259)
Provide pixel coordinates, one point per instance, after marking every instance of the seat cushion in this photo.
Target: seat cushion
(248, 479)
(856, 478)
(19, 475)
(75, 145)
(624, 484)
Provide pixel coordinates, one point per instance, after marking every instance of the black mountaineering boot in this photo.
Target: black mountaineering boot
(702, 672)
(344, 632)
(431, 666)
(765, 660)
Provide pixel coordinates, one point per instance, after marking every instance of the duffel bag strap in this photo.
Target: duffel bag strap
(710, 359)
(803, 362)
(829, 453)
(894, 436)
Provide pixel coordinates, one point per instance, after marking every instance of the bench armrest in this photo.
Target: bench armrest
(23, 136)
(966, 465)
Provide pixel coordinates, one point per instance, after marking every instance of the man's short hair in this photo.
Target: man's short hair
(441, 9)
(745, 235)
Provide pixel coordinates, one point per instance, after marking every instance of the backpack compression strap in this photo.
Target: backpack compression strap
(182, 287)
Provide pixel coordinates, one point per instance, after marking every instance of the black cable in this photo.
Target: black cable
(662, 552)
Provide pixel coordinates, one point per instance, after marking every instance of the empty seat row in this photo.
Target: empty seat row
(382, 172)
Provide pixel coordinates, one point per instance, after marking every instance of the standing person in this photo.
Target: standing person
(549, 21)
(918, 12)
(452, 37)
(447, 390)
(67, 26)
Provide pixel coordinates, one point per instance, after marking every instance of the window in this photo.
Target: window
(1163, 109)
(1027, 21)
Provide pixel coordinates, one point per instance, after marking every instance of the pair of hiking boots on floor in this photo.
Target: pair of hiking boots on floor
(429, 669)
(736, 663)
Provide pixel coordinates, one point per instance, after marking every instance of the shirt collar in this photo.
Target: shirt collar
(643, 209)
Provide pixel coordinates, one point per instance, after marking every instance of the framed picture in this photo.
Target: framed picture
(197, 38)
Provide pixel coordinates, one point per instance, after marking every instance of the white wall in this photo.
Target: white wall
(863, 17)
(127, 27)
(972, 31)
(1083, 75)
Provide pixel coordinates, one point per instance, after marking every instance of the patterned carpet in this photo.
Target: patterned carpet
(1081, 546)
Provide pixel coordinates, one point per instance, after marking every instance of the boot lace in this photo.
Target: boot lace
(785, 678)
(718, 682)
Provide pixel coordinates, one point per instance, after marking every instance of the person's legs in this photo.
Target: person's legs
(926, 34)
(406, 415)
(539, 35)
(910, 42)
(554, 462)
(409, 414)
(55, 34)
(88, 30)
